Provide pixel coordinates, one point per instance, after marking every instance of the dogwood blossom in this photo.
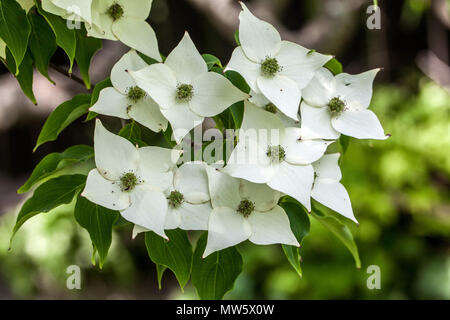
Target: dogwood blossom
(131, 180)
(125, 99)
(328, 190)
(278, 69)
(338, 104)
(267, 152)
(79, 10)
(124, 20)
(243, 210)
(184, 89)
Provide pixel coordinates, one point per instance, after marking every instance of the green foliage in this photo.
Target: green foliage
(215, 275)
(62, 116)
(334, 66)
(174, 254)
(211, 61)
(99, 222)
(237, 80)
(85, 50)
(132, 132)
(25, 75)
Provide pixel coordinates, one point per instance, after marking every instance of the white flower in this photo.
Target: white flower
(131, 180)
(188, 200)
(243, 210)
(338, 104)
(79, 10)
(126, 100)
(184, 89)
(124, 20)
(328, 190)
(278, 69)
(267, 152)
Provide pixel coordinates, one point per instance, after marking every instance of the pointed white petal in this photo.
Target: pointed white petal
(120, 76)
(271, 227)
(137, 34)
(316, 123)
(223, 189)
(147, 113)
(159, 81)
(258, 38)
(104, 192)
(49, 6)
(321, 88)
(302, 151)
(214, 93)
(226, 228)
(158, 159)
(182, 120)
(191, 180)
(258, 99)
(260, 194)
(333, 195)
(112, 103)
(256, 119)
(362, 124)
(148, 209)
(356, 90)
(114, 155)
(186, 62)
(81, 8)
(282, 92)
(328, 167)
(139, 9)
(194, 216)
(248, 69)
(173, 219)
(295, 181)
(138, 229)
(299, 65)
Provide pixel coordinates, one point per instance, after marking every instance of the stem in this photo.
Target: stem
(67, 74)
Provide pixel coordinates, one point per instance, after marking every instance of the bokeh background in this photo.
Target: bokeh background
(399, 188)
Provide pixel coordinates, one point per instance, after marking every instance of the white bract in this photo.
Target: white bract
(184, 89)
(267, 152)
(278, 69)
(328, 190)
(131, 180)
(243, 210)
(79, 10)
(188, 199)
(126, 100)
(338, 104)
(124, 20)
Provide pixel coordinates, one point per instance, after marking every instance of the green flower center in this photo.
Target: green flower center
(128, 181)
(115, 11)
(135, 94)
(276, 153)
(184, 92)
(336, 105)
(175, 198)
(270, 107)
(270, 67)
(246, 207)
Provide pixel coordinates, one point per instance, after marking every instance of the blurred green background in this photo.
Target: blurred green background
(400, 188)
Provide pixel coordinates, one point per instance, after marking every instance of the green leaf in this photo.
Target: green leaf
(25, 76)
(132, 132)
(160, 269)
(42, 43)
(65, 37)
(62, 116)
(340, 230)
(14, 30)
(48, 196)
(98, 221)
(85, 50)
(175, 254)
(54, 162)
(215, 275)
(344, 141)
(236, 38)
(95, 94)
(211, 61)
(237, 80)
(237, 112)
(300, 225)
(334, 66)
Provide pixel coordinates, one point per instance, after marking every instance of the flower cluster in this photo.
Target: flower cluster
(296, 108)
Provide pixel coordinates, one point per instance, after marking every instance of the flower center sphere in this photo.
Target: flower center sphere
(270, 67)
(246, 207)
(175, 198)
(128, 181)
(336, 105)
(276, 153)
(135, 94)
(115, 11)
(270, 107)
(184, 93)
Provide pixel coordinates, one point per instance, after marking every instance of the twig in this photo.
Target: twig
(67, 74)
